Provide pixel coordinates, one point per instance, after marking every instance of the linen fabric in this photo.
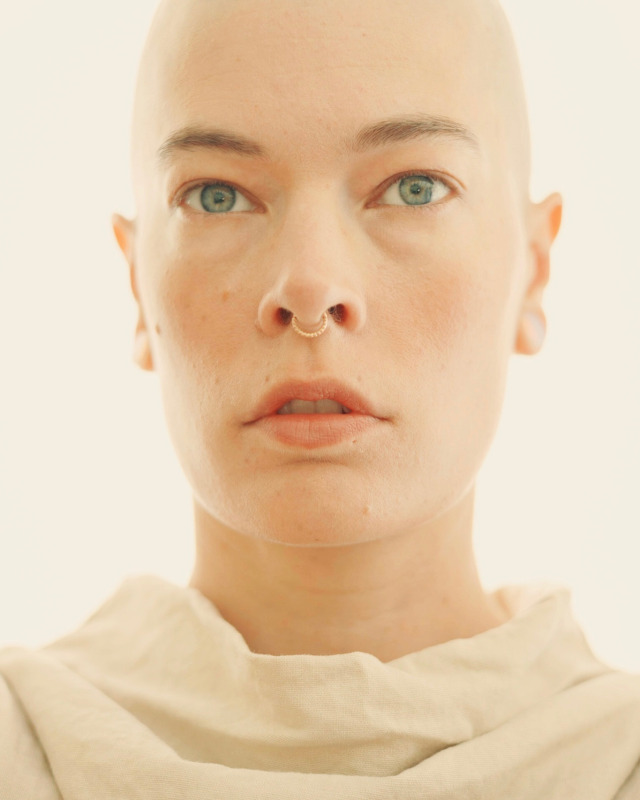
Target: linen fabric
(157, 697)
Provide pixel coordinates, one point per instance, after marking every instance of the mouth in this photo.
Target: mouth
(314, 414)
(319, 397)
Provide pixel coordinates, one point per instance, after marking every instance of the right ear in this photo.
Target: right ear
(125, 231)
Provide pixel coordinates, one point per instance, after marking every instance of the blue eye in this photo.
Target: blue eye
(217, 198)
(415, 190)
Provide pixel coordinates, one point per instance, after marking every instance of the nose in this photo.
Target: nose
(313, 270)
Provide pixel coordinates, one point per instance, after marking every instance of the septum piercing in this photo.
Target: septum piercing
(319, 332)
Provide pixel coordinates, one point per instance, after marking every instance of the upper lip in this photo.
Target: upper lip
(320, 389)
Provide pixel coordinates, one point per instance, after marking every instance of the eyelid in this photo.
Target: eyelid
(451, 183)
(178, 198)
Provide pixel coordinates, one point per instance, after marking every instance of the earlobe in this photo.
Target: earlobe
(124, 230)
(141, 348)
(532, 332)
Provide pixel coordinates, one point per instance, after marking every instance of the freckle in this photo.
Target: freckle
(225, 296)
(158, 329)
(267, 379)
(366, 511)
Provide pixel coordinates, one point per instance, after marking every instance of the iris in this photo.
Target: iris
(416, 190)
(217, 197)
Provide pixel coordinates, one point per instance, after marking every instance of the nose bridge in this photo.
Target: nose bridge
(312, 263)
(313, 236)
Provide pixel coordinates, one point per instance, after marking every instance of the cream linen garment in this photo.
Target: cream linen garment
(157, 697)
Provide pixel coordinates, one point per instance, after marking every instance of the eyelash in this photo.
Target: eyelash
(181, 196)
(435, 176)
(179, 199)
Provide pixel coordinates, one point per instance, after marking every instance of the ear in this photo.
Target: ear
(125, 230)
(544, 224)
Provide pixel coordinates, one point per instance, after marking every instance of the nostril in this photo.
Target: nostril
(284, 315)
(337, 312)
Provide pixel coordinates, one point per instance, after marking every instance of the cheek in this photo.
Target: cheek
(458, 309)
(198, 316)
(198, 303)
(455, 279)
(454, 331)
(439, 313)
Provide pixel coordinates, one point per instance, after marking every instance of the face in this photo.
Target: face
(420, 238)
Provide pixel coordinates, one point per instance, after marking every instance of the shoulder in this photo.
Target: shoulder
(24, 770)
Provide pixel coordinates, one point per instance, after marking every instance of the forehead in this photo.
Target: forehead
(295, 72)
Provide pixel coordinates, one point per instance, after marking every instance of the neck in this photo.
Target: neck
(388, 597)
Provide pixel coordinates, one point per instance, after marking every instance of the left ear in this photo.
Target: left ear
(544, 224)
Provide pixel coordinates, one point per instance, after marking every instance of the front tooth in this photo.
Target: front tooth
(328, 407)
(302, 407)
(313, 407)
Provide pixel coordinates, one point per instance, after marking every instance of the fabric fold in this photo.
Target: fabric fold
(156, 695)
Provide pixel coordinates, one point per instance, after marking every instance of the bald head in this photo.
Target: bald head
(294, 68)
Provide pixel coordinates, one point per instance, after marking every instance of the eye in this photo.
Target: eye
(415, 190)
(216, 198)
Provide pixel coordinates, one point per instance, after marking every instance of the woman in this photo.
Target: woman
(334, 257)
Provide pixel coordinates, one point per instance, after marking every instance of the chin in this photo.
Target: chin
(303, 513)
(321, 512)
(316, 524)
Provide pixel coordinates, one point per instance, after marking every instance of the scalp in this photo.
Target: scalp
(182, 26)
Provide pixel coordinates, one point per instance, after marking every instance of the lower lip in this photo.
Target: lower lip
(315, 430)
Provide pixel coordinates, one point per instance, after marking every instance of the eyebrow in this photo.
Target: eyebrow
(408, 128)
(194, 138)
(378, 134)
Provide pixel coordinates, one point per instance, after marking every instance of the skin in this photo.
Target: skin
(365, 545)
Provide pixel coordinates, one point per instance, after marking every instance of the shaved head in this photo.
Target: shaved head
(234, 46)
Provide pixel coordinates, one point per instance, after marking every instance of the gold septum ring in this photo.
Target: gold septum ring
(319, 332)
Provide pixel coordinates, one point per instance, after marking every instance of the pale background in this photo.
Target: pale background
(90, 489)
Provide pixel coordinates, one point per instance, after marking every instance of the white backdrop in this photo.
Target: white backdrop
(90, 488)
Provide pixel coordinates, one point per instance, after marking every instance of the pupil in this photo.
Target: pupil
(217, 198)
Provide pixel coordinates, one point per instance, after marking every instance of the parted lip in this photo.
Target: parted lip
(321, 389)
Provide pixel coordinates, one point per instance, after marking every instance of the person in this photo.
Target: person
(334, 257)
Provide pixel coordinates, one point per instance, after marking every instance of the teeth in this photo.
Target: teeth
(313, 407)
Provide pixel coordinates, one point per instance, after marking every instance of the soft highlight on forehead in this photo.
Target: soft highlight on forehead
(181, 25)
